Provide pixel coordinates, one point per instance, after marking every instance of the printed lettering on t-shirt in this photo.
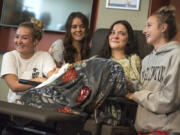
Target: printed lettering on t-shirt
(153, 73)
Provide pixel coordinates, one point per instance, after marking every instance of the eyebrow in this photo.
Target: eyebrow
(119, 31)
(76, 25)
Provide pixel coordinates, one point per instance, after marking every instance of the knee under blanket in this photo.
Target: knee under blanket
(82, 87)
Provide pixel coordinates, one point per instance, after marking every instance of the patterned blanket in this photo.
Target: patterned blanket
(80, 88)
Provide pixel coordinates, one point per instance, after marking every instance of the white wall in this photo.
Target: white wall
(137, 18)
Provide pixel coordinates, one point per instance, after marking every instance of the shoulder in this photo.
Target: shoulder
(57, 44)
(41, 53)
(11, 54)
(146, 58)
(42, 56)
(135, 57)
(176, 45)
(173, 50)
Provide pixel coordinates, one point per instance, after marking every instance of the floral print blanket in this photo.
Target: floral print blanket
(80, 88)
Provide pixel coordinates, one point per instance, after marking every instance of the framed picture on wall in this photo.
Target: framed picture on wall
(123, 4)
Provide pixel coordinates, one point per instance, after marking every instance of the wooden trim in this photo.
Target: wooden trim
(154, 5)
(94, 16)
(176, 3)
(150, 7)
(1, 4)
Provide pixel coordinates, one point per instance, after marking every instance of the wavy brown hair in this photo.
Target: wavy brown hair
(69, 50)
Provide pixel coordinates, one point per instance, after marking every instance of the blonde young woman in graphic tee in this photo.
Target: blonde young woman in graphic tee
(25, 62)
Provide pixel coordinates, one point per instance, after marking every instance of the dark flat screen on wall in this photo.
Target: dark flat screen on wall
(53, 13)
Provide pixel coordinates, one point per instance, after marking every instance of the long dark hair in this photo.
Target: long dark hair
(131, 44)
(69, 50)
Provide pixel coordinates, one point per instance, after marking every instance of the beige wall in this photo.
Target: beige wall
(3, 86)
(137, 18)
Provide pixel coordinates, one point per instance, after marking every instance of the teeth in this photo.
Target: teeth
(114, 40)
(19, 46)
(78, 34)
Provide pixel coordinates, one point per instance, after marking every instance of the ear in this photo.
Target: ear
(164, 27)
(35, 42)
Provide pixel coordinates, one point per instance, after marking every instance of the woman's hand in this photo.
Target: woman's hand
(129, 86)
(39, 79)
(130, 95)
(53, 71)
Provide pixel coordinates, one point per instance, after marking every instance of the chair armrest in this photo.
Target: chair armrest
(34, 83)
(122, 100)
(33, 113)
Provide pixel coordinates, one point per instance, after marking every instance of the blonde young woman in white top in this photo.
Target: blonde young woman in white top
(25, 62)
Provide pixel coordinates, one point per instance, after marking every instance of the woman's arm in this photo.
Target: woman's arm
(136, 65)
(9, 72)
(166, 98)
(13, 83)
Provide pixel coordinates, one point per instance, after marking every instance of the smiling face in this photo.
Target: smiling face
(118, 37)
(154, 31)
(78, 29)
(23, 42)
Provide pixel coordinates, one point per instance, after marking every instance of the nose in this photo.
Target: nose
(18, 40)
(116, 35)
(144, 31)
(78, 28)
